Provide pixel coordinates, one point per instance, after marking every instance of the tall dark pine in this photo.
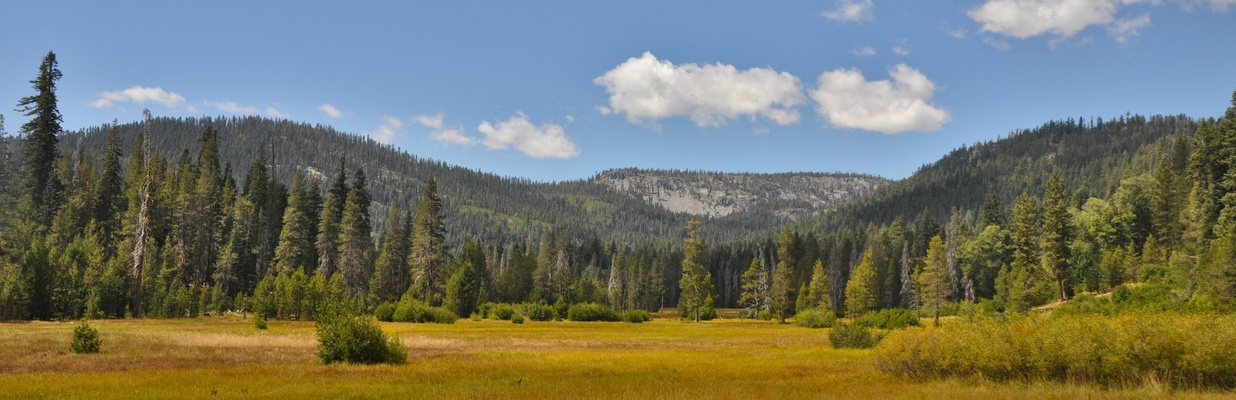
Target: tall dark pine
(111, 202)
(1057, 233)
(39, 153)
(428, 257)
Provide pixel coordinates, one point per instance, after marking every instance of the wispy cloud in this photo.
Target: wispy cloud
(1122, 30)
(139, 95)
(902, 48)
(863, 51)
(233, 107)
(386, 132)
(330, 110)
(850, 11)
(454, 135)
(275, 113)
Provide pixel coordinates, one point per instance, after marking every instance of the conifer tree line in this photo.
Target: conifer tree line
(131, 231)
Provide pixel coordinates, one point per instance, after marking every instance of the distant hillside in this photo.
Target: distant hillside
(1092, 156)
(493, 208)
(712, 194)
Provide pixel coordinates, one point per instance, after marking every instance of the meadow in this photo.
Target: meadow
(226, 357)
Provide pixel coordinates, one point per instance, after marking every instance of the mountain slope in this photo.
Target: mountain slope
(486, 206)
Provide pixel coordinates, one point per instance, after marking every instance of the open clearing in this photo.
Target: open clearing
(225, 357)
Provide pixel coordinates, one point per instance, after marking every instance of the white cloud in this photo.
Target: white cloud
(448, 135)
(1221, 5)
(604, 110)
(274, 113)
(850, 11)
(647, 89)
(545, 141)
(1121, 30)
(1028, 18)
(390, 127)
(955, 32)
(997, 43)
(232, 107)
(902, 48)
(330, 110)
(139, 95)
(430, 121)
(863, 51)
(848, 100)
(453, 136)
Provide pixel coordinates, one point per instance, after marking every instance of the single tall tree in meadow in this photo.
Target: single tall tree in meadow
(696, 282)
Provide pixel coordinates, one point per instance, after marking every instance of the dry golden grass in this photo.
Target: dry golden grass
(228, 358)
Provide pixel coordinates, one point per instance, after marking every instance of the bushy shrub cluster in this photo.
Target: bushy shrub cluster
(517, 318)
(259, 322)
(540, 311)
(85, 339)
(1145, 298)
(591, 312)
(855, 336)
(500, 311)
(889, 318)
(815, 318)
(385, 312)
(636, 316)
(359, 340)
(413, 310)
(1180, 351)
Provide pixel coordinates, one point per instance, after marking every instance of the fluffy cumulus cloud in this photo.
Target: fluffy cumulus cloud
(444, 135)
(647, 89)
(330, 110)
(848, 100)
(545, 141)
(850, 11)
(1028, 18)
(139, 95)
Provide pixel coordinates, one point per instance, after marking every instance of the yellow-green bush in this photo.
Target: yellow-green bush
(1183, 351)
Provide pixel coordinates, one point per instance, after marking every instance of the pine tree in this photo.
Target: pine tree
(355, 245)
(294, 251)
(696, 283)
(390, 271)
(1057, 234)
(755, 287)
(818, 288)
(428, 257)
(110, 204)
(463, 289)
(39, 152)
(933, 282)
(783, 276)
(861, 293)
(327, 242)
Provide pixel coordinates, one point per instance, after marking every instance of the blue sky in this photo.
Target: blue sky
(563, 90)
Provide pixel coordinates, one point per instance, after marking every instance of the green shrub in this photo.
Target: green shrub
(816, 318)
(412, 310)
(85, 339)
(385, 312)
(766, 315)
(476, 316)
(591, 312)
(889, 318)
(540, 312)
(485, 309)
(517, 318)
(707, 313)
(1175, 350)
(439, 315)
(357, 340)
(636, 316)
(259, 322)
(561, 308)
(502, 311)
(847, 336)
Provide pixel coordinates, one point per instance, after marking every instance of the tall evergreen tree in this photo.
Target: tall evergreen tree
(818, 288)
(428, 257)
(696, 282)
(355, 245)
(861, 292)
(111, 202)
(783, 276)
(933, 282)
(39, 152)
(327, 242)
(755, 288)
(390, 271)
(463, 289)
(1057, 234)
(294, 251)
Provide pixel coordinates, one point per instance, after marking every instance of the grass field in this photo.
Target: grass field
(225, 357)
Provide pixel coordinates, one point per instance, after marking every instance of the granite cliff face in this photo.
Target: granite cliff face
(715, 194)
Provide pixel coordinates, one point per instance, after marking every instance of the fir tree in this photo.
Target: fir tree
(783, 276)
(41, 132)
(861, 293)
(696, 282)
(428, 257)
(933, 282)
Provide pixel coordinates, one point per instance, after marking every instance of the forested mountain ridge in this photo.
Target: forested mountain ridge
(1092, 156)
(488, 207)
(714, 194)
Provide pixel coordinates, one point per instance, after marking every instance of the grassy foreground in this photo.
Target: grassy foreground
(225, 357)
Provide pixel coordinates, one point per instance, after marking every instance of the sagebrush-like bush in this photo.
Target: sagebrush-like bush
(1181, 351)
(385, 312)
(540, 312)
(591, 312)
(847, 336)
(357, 340)
(85, 339)
(889, 318)
(816, 318)
(636, 316)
